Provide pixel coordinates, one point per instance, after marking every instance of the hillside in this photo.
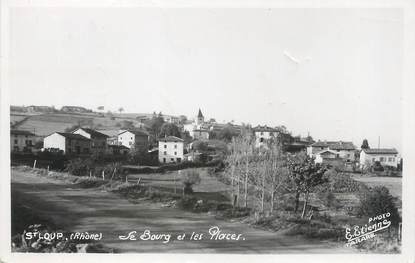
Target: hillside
(47, 123)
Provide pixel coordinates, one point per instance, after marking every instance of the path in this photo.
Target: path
(93, 210)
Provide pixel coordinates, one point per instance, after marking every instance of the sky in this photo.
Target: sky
(335, 73)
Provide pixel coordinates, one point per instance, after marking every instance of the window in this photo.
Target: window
(271, 134)
(261, 140)
(175, 146)
(130, 143)
(382, 159)
(15, 141)
(164, 160)
(262, 133)
(165, 146)
(165, 153)
(120, 138)
(393, 159)
(175, 153)
(172, 159)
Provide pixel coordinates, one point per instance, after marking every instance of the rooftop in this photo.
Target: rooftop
(264, 128)
(380, 151)
(73, 136)
(94, 133)
(335, 145)
(170, 139)
(136, 132)
(21, 132)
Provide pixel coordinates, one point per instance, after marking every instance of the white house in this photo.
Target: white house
(68, 143)
(263, 134)
(21, 141)
(344, 150)
(386, 157)
(134, 139)
(326, 156)
(170, 149)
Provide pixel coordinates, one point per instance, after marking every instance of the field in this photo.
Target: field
(209, 187)
(394, 184)
(45, 124)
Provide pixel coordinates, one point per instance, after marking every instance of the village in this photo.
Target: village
(177, 139)
(259, 175)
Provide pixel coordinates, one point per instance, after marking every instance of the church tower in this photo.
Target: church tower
(200, 118)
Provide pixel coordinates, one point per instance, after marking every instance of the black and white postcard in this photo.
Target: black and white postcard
(164, 131)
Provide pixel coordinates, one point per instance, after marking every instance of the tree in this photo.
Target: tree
(155, 124)
(190, 178)
(227, 133)
(365, 144)
(378, 201)
(200, 146)
(305, 175)
(169, 129)
(100, 108)
(120, 109)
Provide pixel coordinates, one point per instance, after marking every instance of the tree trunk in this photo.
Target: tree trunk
(305, 204)
(297, 201)
(272, 201)
(246, 182)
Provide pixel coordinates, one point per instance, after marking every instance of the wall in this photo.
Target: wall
(169, 148)
(368, 158)
(54, 141)
(21, 142)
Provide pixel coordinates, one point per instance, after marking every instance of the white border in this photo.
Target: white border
(408, 100)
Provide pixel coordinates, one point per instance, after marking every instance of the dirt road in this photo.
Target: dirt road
(93, 210)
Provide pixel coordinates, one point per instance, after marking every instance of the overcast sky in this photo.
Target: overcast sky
(335, 73)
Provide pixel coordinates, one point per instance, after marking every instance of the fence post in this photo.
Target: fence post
(48, 169)
(34, 164)
(103, 175)
(138, 181)
(126, 178)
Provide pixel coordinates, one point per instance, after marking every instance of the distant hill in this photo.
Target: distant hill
(45, 124)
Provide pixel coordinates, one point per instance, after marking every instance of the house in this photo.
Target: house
(170, 149)
(328, 157)
(200, 134)
(171, 119)
(386, 157)
(75, 109)
(118, 149)
(134, 139)
(21, 141)
(345, 150)
(68, 143)
(98, 140)
(43, 109)
(112, 135)
(263, 134)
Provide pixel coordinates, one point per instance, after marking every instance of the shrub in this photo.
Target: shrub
(79, 167)
(190, 178)
(378, 201)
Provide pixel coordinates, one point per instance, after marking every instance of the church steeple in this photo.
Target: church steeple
(200, 118)
(200, 115)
